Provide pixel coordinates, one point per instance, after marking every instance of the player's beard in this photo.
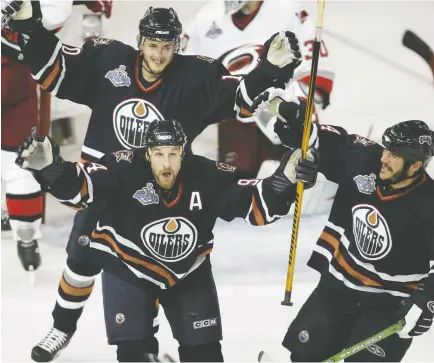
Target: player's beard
(396, 177)
(165, 181)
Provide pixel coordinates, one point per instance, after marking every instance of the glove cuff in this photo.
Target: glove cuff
(47, 177)
(284, 74)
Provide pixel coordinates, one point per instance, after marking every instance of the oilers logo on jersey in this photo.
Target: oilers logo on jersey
(170, 239)
(130, 120)
(371, 232)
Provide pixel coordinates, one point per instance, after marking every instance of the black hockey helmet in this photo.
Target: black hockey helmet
(160, 24)
(413, 140)
(164, 133)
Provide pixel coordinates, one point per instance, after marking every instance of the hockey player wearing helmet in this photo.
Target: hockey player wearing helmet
(157, 232)
(131, 88)
(376, 252)
(158, 41)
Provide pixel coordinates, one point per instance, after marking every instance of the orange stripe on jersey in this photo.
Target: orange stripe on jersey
(178, 197)
(52, 76)
(84, 160)
(83, 190)
(344, 264)
(257, 215)
(414, 287)
(157, 269)
(206, 252)
(74, 291)
(24, 207)
(136, 74)
(245, 112)
(398, 195)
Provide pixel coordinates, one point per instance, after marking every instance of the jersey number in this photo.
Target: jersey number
(94, 167)
(248, 182)
(323, 52)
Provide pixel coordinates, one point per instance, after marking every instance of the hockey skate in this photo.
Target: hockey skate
(28, 252)
(51, 345)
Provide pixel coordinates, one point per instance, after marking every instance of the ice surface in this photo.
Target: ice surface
(249, 263)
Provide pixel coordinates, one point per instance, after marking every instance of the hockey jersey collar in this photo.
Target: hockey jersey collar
(241, 21)
(139, 78)
(391, 194)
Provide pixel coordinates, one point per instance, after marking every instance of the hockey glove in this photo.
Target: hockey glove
(41, 156)
(293, 168)
(418, 313)
(280, 56)
(290, 112)
(10, 9)
(28, 18)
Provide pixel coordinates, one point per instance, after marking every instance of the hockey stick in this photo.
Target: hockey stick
(367, 342)
(304, 147)
(44, 130)
(417, 45)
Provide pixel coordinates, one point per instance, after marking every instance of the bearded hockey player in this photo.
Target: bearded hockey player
(157, 230)
(19, 119)
(233, 32)
(130, 88)
(376, 252)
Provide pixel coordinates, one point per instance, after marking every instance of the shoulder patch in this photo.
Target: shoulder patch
(101, 41)
(363, 140)
(225, 167)
(124, 155)
(205, 59)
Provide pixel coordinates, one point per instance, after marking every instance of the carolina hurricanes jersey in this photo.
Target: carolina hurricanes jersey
(156, 235)
(237, 39)
(106, 76)
(54, 15)
(377, 240)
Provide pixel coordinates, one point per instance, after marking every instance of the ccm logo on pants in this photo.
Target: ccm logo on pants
(204, 323)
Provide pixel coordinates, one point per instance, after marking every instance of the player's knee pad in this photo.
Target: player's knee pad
(135, 350)
(208, 352)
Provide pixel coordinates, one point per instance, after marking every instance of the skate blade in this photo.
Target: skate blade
(32, 276)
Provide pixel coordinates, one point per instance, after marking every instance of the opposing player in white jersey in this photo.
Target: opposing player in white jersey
(233, 32)
(20, 119)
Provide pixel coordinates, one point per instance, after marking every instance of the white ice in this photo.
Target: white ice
(249, 263)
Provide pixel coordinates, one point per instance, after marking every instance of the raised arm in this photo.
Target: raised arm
(74, 184)
(225, 96)
(261, 202)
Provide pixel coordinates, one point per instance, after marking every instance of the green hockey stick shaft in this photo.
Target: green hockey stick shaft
(367, 342)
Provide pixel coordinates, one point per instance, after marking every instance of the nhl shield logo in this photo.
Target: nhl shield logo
(170, 239)
(147, 195)
(365, 183)
(119, 77)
